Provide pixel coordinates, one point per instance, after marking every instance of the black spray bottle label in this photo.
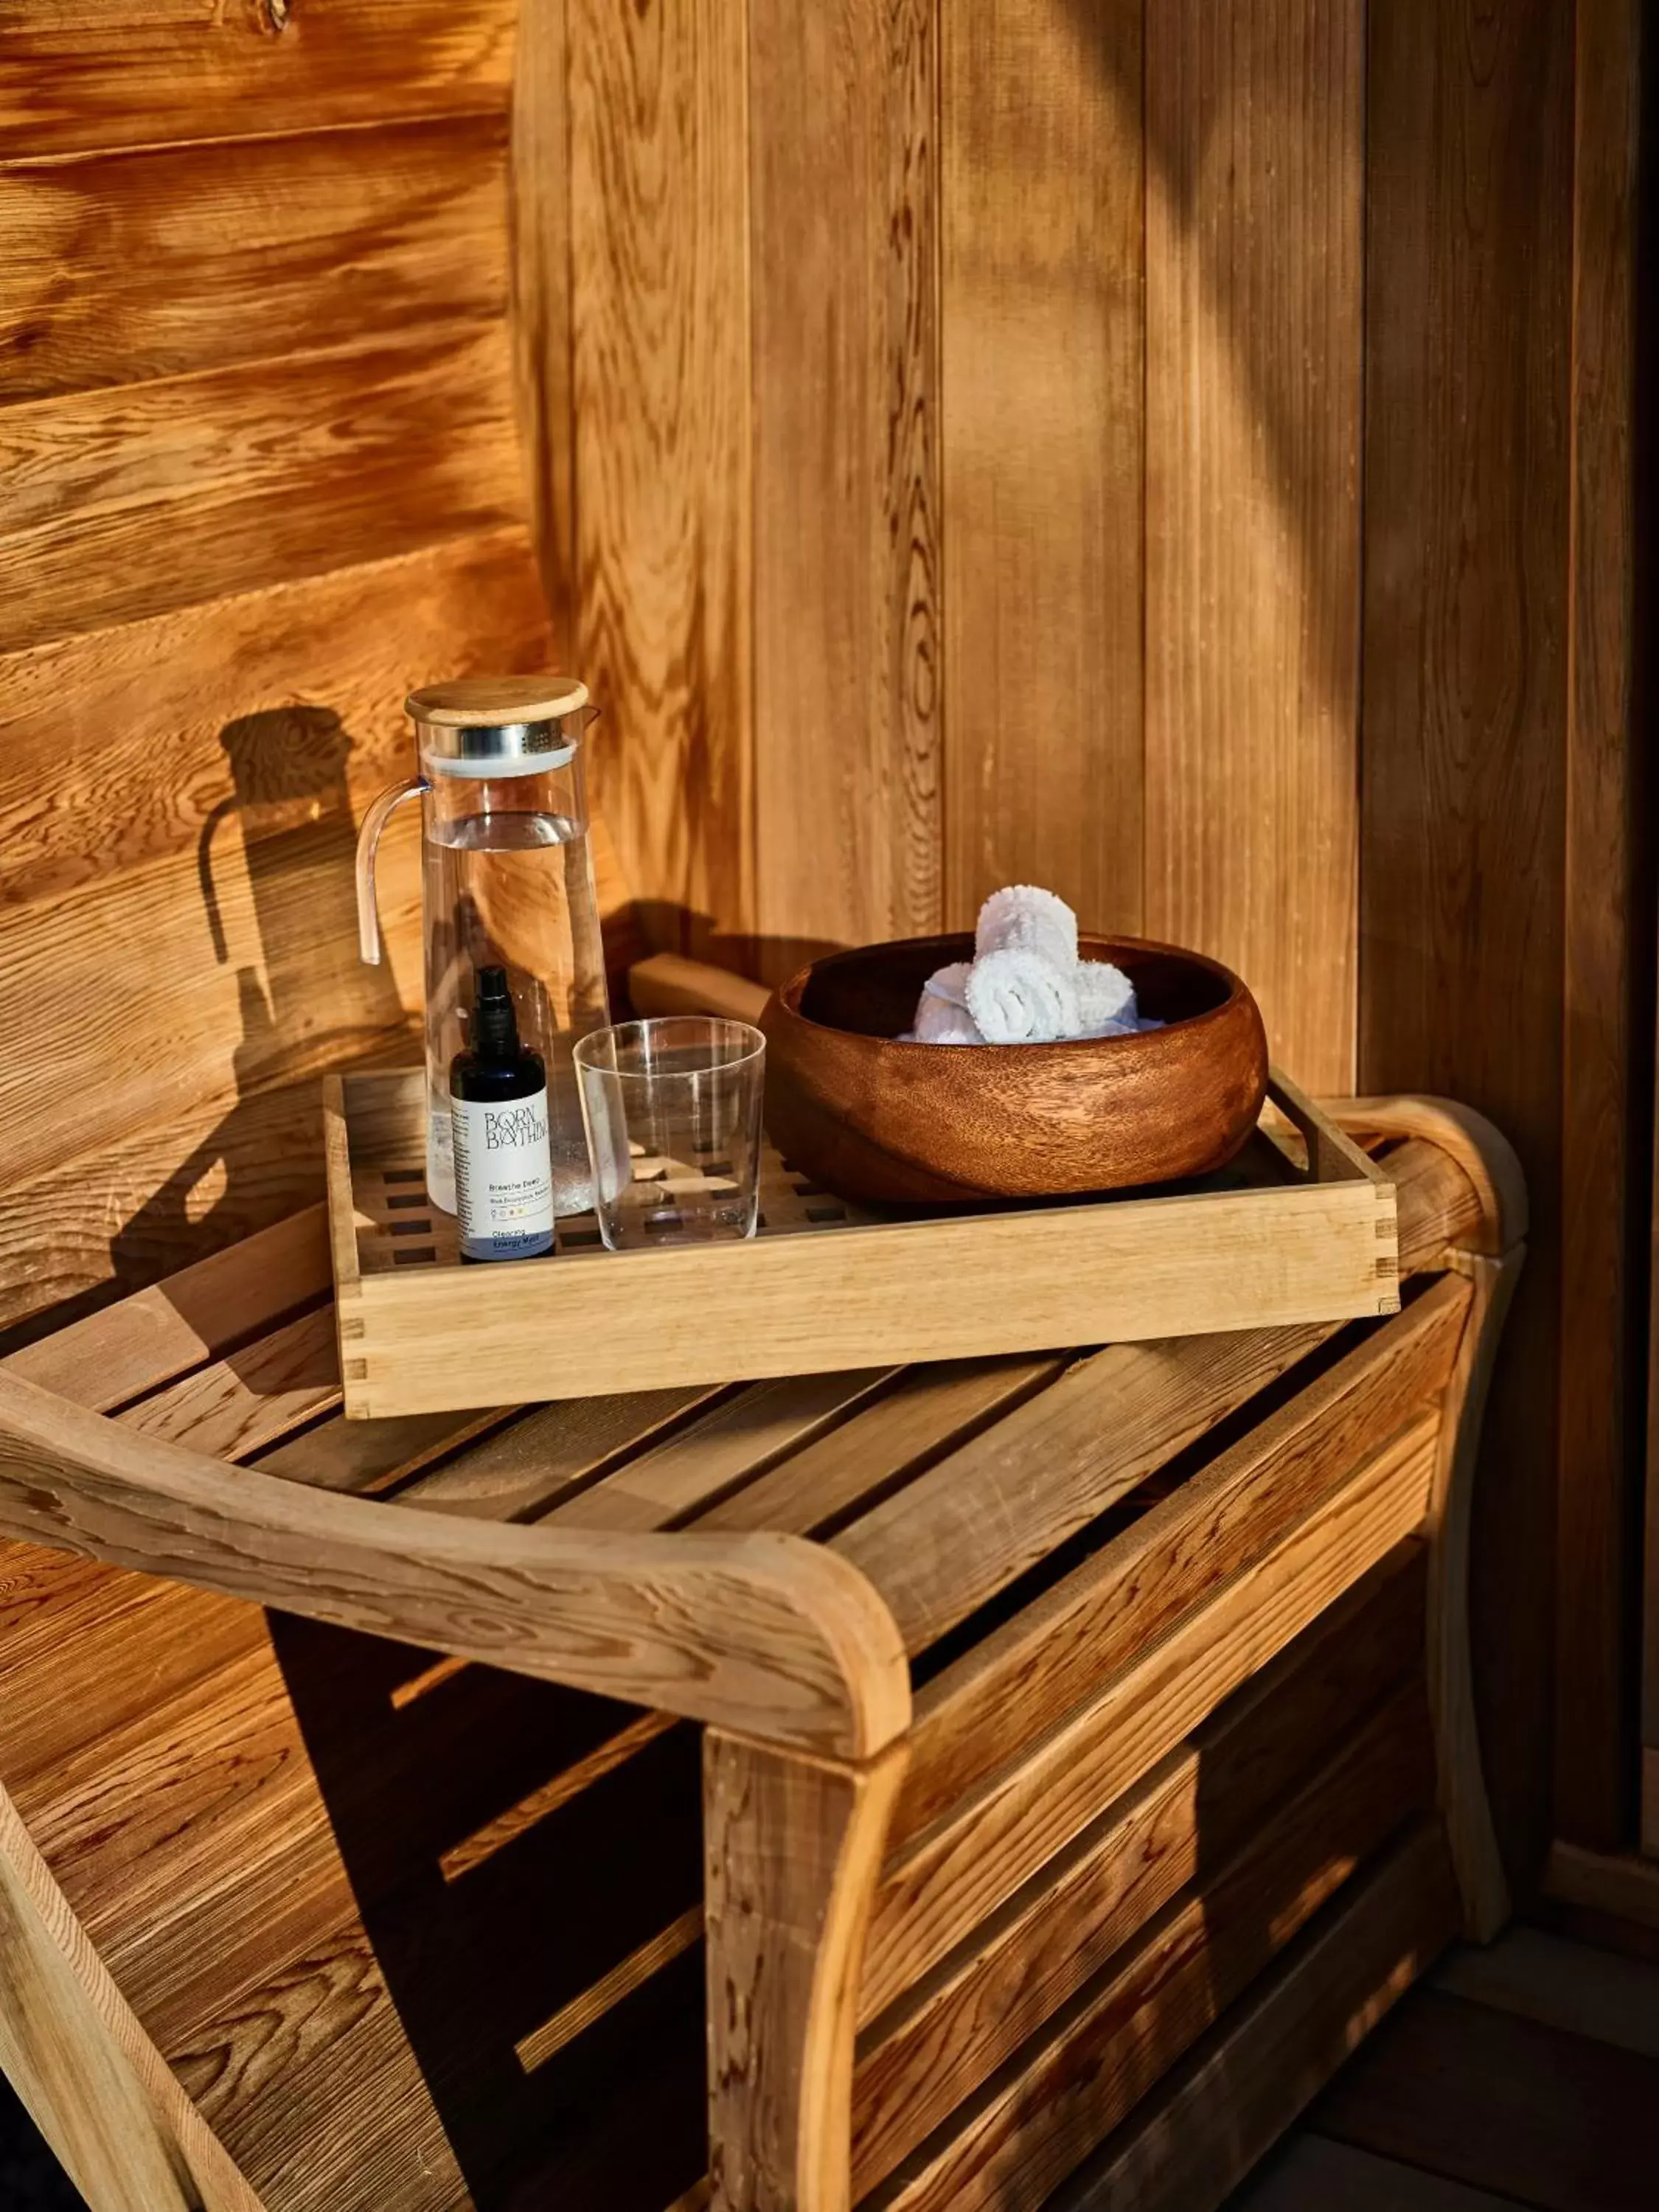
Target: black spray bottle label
(504, 1176)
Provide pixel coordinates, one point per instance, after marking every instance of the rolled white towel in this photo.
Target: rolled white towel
(1016, 996)
(949, 985)
(938, 1022)
(1025, 918)
(1106, 999)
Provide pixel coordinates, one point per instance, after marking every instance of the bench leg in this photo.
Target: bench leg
(791, 1848)
(1463, 1787)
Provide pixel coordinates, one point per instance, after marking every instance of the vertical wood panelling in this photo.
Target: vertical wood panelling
(1254, 334)
(1469, 232)
(659, 136)
(540, 247)
(1599, 1491)
(843, 152)
(1042, 388)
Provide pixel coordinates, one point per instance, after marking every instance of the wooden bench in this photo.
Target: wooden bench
(1086, 1752)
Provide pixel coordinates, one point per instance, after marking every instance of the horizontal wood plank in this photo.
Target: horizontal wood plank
(671, 1483)
(1310, 2173)
(1561, 1984)
(159, 1333)
(1027, 1674)
(519, 1472)
(141, 1208)
(1082, 2073)
(1030, 1960)
(238, 1405)
(1198, 2135)
(112, 1646)
(929, 1410)
(936, 1888)
(371, 1456)
(150, 1022)
(144, 72)
(200, 258)
(949, 1540)
(268, 708)
(251, 476)
(1560, 2122)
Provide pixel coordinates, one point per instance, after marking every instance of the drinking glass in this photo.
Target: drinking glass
(672, 1110)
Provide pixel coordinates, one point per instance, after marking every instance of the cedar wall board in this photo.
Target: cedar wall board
(258, 428)
(1151, 461)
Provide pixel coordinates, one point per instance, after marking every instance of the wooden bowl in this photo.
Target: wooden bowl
(870, 1117)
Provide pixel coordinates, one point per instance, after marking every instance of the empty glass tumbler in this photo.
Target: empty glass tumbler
(674, 1114)
(506, 882)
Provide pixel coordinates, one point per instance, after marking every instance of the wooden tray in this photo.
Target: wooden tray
(1269, 1240)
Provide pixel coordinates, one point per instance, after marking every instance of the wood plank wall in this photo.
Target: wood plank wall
(261, 472)
(924, 537)
(1140, 449)
(1161, 450)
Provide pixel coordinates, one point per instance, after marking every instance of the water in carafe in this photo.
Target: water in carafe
(509, 883)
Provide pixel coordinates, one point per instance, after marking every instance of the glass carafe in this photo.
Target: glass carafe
(506, 881)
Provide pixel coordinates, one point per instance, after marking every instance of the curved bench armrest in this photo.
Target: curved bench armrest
(1481, 1149)
(768, 1635)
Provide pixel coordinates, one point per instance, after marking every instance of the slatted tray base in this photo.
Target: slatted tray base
(1300, 1228)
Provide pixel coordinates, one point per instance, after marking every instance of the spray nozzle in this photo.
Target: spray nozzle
(495, 1027)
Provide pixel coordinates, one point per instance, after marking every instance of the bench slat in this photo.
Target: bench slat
(663, 1486)
(1202, 1804)
(368, 1457)
(118, 1354)
(233, 1408)
(936, 1889)
(928, 1409)
(1200, 2133)
(952, 1539)
(515, 1472)
(1131, 2012)
(1030, 1671)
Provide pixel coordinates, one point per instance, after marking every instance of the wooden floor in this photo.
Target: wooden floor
(1526, 2074)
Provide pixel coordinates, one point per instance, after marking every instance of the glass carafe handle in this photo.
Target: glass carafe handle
(369, 846)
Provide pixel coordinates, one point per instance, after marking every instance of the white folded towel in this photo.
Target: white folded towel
(949, 985)
(1106, 999)
(1016, 996)
(1025, 918)
(938, 1022)
(1025, 984)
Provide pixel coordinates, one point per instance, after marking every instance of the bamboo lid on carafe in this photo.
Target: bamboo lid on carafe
(497, 726)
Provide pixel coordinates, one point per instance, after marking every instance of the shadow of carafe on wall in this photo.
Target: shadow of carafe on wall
(284, 918)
